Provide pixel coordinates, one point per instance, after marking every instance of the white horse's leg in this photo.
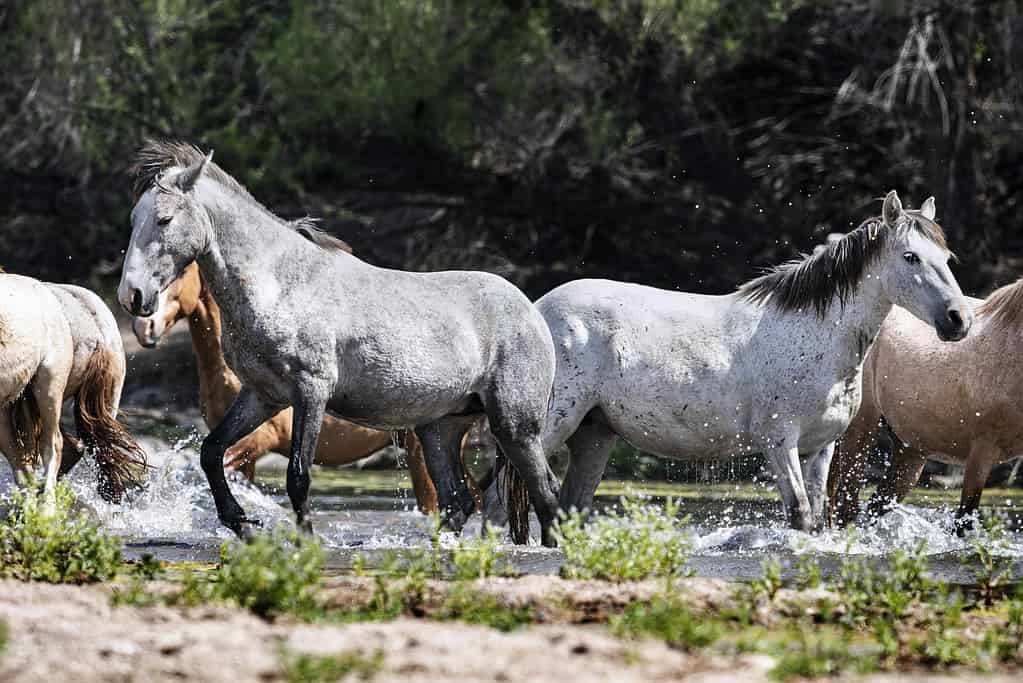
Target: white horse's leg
(784, 462)
(48, 393)
(815, 477)
(590, 447)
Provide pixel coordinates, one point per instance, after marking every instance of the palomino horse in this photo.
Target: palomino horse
(313, 327)
(59, 342)
(340, 443)
(773, 368)
(937, 410)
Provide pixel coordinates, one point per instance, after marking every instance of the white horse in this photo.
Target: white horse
(774, 368)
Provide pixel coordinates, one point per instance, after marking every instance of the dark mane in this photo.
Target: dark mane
(1004, 306)
(307, 227)
(834, 270)
(156, 156)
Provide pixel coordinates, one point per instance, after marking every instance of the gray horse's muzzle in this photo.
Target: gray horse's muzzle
(954, 325)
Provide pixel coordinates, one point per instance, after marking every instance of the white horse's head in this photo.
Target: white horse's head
(915, 273)
(169, 230)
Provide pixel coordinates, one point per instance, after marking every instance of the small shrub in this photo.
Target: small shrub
(991, 567)
(809, 655)
(768, 585)
(639, 542)
(480, 559)
(865, 592)
(670, 620)
(54, 546)
(273, 574)
(304, 668)
(472, 607)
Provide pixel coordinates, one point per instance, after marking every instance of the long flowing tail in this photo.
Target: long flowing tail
(516, 499)
(27, 428)
(121, 461)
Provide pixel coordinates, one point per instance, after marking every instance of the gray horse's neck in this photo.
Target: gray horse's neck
(253, 258)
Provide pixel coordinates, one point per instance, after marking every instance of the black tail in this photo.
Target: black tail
(516, 498)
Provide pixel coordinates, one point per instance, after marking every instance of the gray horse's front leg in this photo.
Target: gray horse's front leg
(307, 418)
(815, 478)
(248, 411)
(589, 449)
(784, 462)
(442, 445)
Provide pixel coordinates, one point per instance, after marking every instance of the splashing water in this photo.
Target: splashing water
(174, 517)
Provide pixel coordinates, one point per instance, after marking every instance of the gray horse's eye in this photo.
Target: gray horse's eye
(164, 220)
(911, 257)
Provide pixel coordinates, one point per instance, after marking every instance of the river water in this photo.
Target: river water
(733, 528)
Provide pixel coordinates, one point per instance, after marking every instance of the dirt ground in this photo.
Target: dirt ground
(65, 633)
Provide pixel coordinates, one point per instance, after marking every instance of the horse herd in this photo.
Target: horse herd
(287, 325)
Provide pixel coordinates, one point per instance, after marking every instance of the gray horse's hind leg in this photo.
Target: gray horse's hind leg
(442, 448)
(815, 477)
(248, 411)
(590, 448)
(307, 418)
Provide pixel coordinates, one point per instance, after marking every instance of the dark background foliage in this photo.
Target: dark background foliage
(680, 143)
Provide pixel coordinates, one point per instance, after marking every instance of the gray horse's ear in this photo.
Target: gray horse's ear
(892, 209)
(187, 179)
(928, 210)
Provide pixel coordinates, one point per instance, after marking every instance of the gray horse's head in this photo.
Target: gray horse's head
(169, 230)
(916, 275)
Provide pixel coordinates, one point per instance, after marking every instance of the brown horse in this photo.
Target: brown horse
(57, 343)
(341, 442)
(957, 403)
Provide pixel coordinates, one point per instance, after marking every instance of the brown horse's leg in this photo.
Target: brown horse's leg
(20, 458)
(846, 475)
(903, 473)
(982, 458)
(422, 485)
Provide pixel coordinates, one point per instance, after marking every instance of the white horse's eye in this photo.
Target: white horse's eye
(911, 257)
(164, 220)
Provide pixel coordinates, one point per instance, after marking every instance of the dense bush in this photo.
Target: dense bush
(43, 543)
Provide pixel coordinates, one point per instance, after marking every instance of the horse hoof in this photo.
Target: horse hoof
(246, 528)
(454, 521)
(305, 527)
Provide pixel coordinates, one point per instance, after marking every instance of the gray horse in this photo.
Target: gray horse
(313, 327)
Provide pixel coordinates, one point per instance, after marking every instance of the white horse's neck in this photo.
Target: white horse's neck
(853, 327)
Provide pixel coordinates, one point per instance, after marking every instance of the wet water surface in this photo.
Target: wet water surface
(732, 527)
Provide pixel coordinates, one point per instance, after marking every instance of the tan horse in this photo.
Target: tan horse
(60, 342)
(956, 403)
(340, 442)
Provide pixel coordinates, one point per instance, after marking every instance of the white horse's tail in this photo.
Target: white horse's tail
(121, 461)
(25, 423)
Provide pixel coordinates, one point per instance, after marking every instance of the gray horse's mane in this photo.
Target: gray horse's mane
(1004, 306)
(156, 156)
(836, 269)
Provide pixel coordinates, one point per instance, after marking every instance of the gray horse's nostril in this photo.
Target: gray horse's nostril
(955, 318)
(136, 300)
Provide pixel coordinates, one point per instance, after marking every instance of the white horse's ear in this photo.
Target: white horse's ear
(187, 179)
(927, 210)
(892, 209)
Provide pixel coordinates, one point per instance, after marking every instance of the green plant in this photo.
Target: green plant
(809, 655)
(273, 574)
(990, 560)
(40, 542)
(481, 558)
(669, 619)
(865, 592)
(473, 607)
(637, 543)
(768, 585)
(305, 668)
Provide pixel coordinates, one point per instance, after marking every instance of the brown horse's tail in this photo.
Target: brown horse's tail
(26, 425)
(121, 461)
(516, 498)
